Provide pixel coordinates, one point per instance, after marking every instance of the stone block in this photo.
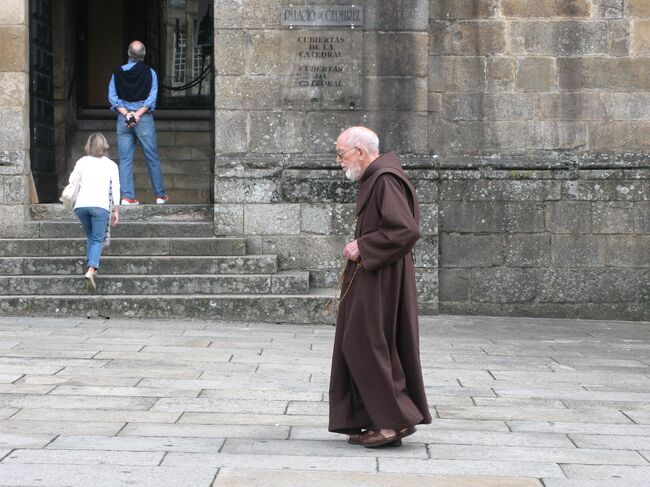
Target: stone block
(606, 190)
(15, 190)
(619, 38)
(230, 131)
(243, 92)
(500, 74)
(278, 219)
(229, 59)
(13, 89)
(628, 251)
(500, 190)
(246, 190)
(12, 162)
(569, 217)
(630, 106)
(577, 106)
(493, 217)
(561, 38)
(467, 38)
(277, 132)
(263, 53)
(609, 9)
(247, 15)
(503, 285)
(316, 219)
(404, 94)
(562, 135)
(428, 219)
(535, 74)
(404, 132)
(589, 285)
(14, 131)
(637, 8)
(228, 219)
(459, 136)
(462, 9)
(454, 284)
(457, 74)
(13, 12)
(426, 252)
(619, 135)
(324, 127)
(306, 252)
(528, 250)
(641, 38)
(545, 8)
(578, 250)
(519, 135)
(395, 54)
(642, 218)
(398, 15)
(613, 217)
(298, 187)
(343, 219)
(471, 250)
(600, 73)
(14, 40)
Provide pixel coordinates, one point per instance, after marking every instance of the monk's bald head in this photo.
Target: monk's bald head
(137, 51)
(363, 138)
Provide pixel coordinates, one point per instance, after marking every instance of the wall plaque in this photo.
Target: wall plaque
(322, 49)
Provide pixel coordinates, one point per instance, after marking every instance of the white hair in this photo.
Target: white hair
(364, 138)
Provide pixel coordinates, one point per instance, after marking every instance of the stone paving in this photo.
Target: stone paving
(517, 403)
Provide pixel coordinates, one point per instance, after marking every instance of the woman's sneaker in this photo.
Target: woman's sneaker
(161, 200)
(129, 202)
(89, 277)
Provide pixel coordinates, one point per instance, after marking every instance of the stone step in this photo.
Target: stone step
(160, 229)
(44, 247)
(247, 264)
(309, 308)
(141, 285)
(145, 213)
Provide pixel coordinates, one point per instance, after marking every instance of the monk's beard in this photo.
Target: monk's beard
(353, 173)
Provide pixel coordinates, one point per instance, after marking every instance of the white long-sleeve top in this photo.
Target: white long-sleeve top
(98, 174)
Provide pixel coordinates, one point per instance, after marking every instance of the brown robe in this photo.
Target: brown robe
(376, 379)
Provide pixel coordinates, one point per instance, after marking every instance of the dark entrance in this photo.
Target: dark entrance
(41, 93)
(177, 48)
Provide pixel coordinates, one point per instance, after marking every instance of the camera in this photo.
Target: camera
(130, 119)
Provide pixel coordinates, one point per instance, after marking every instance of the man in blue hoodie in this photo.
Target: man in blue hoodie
(132, 92)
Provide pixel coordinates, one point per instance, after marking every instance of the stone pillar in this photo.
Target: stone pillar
(14, 117)
(276, 178)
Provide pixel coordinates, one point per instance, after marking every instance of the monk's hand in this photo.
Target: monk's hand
(351, 251)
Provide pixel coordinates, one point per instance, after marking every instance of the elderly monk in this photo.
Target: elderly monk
(376, 391)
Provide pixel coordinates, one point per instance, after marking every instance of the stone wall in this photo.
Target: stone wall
(276, 180)
(525, 126)
(540, 115)
(14, 117)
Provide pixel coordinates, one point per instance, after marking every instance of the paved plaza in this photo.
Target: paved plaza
(517, 402)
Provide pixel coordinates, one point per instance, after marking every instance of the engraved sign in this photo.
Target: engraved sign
(322, 61)
(314, 16)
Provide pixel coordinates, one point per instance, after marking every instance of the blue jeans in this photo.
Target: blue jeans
(144, 132)
(94, 221)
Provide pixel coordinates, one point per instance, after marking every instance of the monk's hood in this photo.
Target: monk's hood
(384, 163)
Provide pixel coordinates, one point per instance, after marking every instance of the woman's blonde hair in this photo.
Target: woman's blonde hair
(97, 145)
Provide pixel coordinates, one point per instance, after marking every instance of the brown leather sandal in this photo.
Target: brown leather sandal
(375, 439)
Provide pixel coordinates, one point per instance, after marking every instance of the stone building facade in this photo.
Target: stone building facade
(525, 126)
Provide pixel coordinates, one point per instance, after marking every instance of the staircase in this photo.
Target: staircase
(185, 149)
(163, 262)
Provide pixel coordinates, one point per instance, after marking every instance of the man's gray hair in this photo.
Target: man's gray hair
(137, 52)
(363, 138)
